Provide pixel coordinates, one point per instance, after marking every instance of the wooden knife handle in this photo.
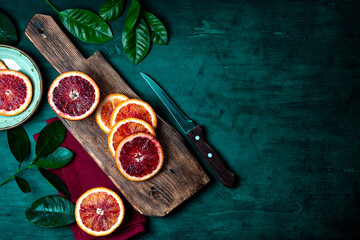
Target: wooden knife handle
(212, 158)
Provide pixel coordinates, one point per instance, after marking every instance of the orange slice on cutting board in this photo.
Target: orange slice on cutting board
(139, 156)
(124, 128)
(134, 108)
(73, 95)
(105, 109)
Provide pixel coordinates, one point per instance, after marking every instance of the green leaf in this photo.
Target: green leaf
(132, 14)
(59, 158)
(55, 181)
(86, 25)
(111, 9)
(19, 143)
(136, 41)
(50, 138)
(23, 184)
(51, 211)
(8, 33)
(157, 28)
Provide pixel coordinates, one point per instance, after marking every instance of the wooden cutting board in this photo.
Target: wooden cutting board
(181, 175)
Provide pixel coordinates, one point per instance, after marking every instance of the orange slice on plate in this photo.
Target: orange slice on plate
(15, 92)
(105, 108)
(124, 128)
(134, 108)
(99, 211)
(139, 156)
(2, 66)
(73, 95)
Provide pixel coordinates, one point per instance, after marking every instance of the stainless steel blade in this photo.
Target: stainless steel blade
(184, 122)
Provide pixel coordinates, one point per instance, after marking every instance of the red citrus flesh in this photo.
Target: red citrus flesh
(66, 96)
(139, 156)
(105, 109)
(99, 211)
(134, 108)
(125, 128)
(89, 213)
(73, 95)
(128, 129)
(129, 111)
(15, 92)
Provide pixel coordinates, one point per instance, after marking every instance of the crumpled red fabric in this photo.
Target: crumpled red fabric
(82, 174)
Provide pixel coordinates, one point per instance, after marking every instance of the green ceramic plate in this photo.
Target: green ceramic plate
(16, 59)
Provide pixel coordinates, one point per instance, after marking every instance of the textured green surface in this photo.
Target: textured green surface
(275, 85)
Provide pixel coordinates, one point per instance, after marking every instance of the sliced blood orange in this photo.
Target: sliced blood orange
(2, 65)
(136, 109)
(15, 92)
(99, 211)
(124, 128)
(73, 95)
(139, 156)
(105, 108)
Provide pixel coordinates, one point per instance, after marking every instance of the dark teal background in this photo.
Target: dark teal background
(276, 86)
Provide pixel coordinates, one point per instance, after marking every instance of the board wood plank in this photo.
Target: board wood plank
(181, 175)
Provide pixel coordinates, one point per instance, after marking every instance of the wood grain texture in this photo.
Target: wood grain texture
(181, 175)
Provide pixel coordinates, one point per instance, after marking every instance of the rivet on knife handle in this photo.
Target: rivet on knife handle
(212, 158)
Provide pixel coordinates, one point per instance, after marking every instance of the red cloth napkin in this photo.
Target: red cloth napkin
(82, 174)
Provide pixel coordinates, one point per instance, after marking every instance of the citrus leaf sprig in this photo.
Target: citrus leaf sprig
(136, 34)
(141, 27)
(47, 211)
(49, 155)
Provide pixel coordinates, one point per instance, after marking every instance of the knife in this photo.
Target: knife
(196, 136)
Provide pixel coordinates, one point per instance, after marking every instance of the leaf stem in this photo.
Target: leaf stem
(15, 175)
(8, 179)
(36, 157)
(52, 6)
(20, 171)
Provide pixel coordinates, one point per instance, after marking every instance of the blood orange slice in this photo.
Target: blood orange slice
(136, 109)
(99, 211)
(105, 108)
(15, 92)
(73, 95)
(2, 65)
(124, 128)
(139, 156)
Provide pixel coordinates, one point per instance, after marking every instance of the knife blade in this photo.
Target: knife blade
(196, 136)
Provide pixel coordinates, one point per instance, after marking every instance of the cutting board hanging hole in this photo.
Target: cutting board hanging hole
(154, 193)
(40, 29)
